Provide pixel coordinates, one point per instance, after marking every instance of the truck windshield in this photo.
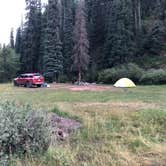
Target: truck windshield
(37, 74)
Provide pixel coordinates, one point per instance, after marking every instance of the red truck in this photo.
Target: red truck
(29, 79)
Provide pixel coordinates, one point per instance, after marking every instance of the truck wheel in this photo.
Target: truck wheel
(15, 83)
(28, 85)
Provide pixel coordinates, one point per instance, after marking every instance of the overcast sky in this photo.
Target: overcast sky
(11, 12)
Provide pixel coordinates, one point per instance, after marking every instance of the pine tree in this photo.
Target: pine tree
(81, 43)
(32, 32)
(9, 64)
(97, 15)
(18, 41)
(38, 28)
(154, 41)
(43, 40)
(12, 39)
(4, 63)
(119, 46)
(68, 22)
(53, 59)
(154, 28)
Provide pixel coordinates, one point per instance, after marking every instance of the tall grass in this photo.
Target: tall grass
(112, 140)
(119, 127)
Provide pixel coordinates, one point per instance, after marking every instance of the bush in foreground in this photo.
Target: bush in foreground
(22, 131)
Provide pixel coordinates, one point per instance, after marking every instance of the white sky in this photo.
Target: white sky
(11, 12)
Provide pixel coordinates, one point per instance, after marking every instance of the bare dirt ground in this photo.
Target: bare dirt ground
(76, 88)
(90, 87)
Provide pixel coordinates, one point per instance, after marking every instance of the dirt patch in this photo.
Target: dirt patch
(90, 87)
(61, 128)
(74, 88)
(150, 159)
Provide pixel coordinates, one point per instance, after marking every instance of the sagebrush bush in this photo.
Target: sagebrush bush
(22, 131)
(130, 70)
(154, 77)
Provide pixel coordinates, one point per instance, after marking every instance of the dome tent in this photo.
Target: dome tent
(124, 83)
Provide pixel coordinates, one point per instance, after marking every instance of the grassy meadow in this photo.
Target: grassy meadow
(120, 126)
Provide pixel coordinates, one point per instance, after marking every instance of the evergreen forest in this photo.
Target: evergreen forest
(89, 40)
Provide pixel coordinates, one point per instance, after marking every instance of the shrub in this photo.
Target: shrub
(134, 72)
(152, 77)
(106, 76)
(63, 79)
(22, 131)
(130, 70)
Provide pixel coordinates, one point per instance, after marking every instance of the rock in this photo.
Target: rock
(81, 83)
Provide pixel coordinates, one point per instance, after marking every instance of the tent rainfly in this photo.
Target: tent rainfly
(124, 83)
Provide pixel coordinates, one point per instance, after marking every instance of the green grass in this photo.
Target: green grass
(45, 96)
(64, 114)
(120, 126)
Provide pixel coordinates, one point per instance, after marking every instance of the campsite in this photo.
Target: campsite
(119, 126)
(83, 83)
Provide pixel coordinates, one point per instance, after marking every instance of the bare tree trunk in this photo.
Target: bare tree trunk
(137, 17)
(81, 43)
(79, 74)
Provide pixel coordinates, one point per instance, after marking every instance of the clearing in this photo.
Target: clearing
(120, 126)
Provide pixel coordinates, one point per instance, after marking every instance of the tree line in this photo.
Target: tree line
(75, 39)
